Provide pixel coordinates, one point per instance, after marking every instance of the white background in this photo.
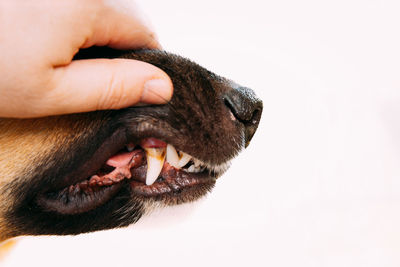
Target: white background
(320, 183)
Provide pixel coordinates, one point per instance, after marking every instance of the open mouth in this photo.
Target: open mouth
(150, 169)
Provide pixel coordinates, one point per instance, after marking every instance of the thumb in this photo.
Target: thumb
(96, 84)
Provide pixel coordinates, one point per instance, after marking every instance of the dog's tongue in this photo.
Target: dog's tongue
(120, 159)
(155, 151)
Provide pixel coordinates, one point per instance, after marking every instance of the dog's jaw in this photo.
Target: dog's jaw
(204, 119)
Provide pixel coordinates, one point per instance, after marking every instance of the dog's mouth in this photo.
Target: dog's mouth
(149, 169)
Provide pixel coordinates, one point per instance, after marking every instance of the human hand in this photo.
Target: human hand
(38, 40)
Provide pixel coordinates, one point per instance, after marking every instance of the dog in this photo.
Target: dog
(78, 173)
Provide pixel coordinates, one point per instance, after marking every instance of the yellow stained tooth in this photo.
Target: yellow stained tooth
(172, 156)
(155, 161)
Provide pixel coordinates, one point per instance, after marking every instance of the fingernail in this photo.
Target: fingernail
(157, 91)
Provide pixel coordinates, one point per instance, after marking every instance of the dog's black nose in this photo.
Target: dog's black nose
(246, 108)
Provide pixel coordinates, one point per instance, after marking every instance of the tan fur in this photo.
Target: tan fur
(25, 143)
(21, 141)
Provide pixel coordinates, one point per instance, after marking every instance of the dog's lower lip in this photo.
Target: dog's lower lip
(102, 187)
(172, 181)
(70, 201)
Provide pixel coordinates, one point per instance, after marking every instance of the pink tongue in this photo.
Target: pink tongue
(123, 158)
(120, 159)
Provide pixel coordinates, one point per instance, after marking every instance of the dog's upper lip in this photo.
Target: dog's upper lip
(86, 168)
(109, 147)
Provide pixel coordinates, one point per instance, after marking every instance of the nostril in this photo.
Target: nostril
(245, 108)
(255, 117)
(237, 110)
(234, 115)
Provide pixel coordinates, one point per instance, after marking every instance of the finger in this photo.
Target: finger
(121, 25)
(97, 84)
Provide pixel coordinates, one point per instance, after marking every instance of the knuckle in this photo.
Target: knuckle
(113, 93)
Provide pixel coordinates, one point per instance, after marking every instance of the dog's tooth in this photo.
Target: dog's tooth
(130, 147)
(172, 156)
(196, 162)
(191, 169)
(194, 169)
(155, 161)
(184, 159)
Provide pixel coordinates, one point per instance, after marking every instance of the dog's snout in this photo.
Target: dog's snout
(246, 108)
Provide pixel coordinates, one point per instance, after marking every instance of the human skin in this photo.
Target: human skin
(38, 40)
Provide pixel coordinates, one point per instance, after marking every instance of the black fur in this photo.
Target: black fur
(198, 120)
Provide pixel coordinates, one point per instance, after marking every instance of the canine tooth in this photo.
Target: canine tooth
(184, 159)
(172, 156)
(155, 161)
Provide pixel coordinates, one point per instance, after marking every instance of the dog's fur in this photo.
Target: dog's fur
(208, 117)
